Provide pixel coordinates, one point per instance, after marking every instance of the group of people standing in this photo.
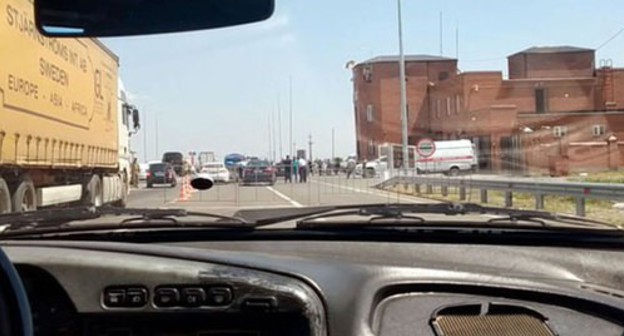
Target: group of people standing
(297, 168)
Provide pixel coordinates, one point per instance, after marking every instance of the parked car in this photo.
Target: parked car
(372, 168)
(217, 171)
(143, 169)
(280, 169)
(259, 171)
(161, 173)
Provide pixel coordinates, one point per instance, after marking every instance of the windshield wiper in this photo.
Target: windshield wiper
(57, 217)
(403, 214)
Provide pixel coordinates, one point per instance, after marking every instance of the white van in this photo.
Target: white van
(450, 157)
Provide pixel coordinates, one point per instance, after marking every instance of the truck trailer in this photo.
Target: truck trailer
(65, 121)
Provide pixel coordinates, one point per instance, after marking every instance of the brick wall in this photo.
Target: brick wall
(551, 65)
(382, 92)
(446, 105)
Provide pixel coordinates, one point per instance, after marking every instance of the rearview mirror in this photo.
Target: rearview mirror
(102, 18)
(135, 119)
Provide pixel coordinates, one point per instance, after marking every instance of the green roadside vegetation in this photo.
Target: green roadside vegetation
(599, 177)
(595, 209)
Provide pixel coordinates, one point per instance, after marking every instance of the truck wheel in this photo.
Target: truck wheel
(24, 198)
(370, 173)
(454, 171)
(121, 203)
(5, 197)
(93, 195)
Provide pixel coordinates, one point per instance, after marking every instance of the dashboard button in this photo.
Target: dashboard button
(260, 304)
(219, 296)
(136, 297)
(193, 297)
(166, 297)
(114, 297)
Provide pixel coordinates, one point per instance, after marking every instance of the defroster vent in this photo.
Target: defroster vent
(489, 320)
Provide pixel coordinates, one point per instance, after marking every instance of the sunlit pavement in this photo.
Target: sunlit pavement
(228, 198)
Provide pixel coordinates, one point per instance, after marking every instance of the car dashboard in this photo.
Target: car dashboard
(318, 288)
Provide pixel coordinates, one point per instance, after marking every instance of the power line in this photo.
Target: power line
(610, 38)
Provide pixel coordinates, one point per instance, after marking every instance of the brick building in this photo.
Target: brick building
(555, 107)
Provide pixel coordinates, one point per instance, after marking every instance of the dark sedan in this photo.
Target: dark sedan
(259, 171)
(280, 169)
(160, 173)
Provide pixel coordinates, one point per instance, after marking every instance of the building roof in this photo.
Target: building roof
(553, 50)
(408, 58)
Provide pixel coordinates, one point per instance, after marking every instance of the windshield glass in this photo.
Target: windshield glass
(172, 157)
(488, 111)
(258, 163)
(157, 167)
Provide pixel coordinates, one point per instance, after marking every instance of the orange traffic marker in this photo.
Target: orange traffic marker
(182, 196)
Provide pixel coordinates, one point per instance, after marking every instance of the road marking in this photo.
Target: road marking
(285, 198)
(384, 194)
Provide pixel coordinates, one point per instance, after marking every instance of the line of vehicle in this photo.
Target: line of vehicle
(285, 198)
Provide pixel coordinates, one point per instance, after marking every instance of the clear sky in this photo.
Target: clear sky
(216, 90)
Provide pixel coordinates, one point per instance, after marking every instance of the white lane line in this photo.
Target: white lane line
(383, 194)
(285, 198)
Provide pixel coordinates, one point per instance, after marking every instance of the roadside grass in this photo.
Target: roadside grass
(595, 209)
(600, 177)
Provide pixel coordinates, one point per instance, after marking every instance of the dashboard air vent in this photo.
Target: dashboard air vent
(489, 319)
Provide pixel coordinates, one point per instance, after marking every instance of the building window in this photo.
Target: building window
(356, 95)
(598, 130)
(443, 75)
(367, 73)
(369, 113)
(371, 147)
(438, 108)
(560, 131)
(458, 104)
(541, 100)
(448, 106)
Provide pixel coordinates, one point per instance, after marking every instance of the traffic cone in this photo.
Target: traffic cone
(188, 187)
(182, 196)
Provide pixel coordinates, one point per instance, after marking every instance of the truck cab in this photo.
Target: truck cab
(128, 125)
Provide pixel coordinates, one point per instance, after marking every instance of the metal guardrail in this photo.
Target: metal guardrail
(539, 188)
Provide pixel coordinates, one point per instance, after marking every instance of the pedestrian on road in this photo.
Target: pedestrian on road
(134, 177)
(295, 164)
(287, 169)
(240, 172)
(350, 168)
(364, 171)
(303, 170)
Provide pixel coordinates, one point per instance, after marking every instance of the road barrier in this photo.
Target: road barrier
(538, 188)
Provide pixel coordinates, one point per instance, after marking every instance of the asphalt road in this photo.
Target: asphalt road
(228, 198)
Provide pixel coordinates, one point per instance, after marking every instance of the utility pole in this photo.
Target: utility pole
(441, 35)
(310, 143)
(145, 135)
(333, 143)
(457, 42)
(270, 138)
(403, 90)
(273, 145)
(156, 136)
(279, 128)
(290, 116)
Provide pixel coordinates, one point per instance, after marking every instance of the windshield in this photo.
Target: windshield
(489, 112)
(157, 167)
(256, 163)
